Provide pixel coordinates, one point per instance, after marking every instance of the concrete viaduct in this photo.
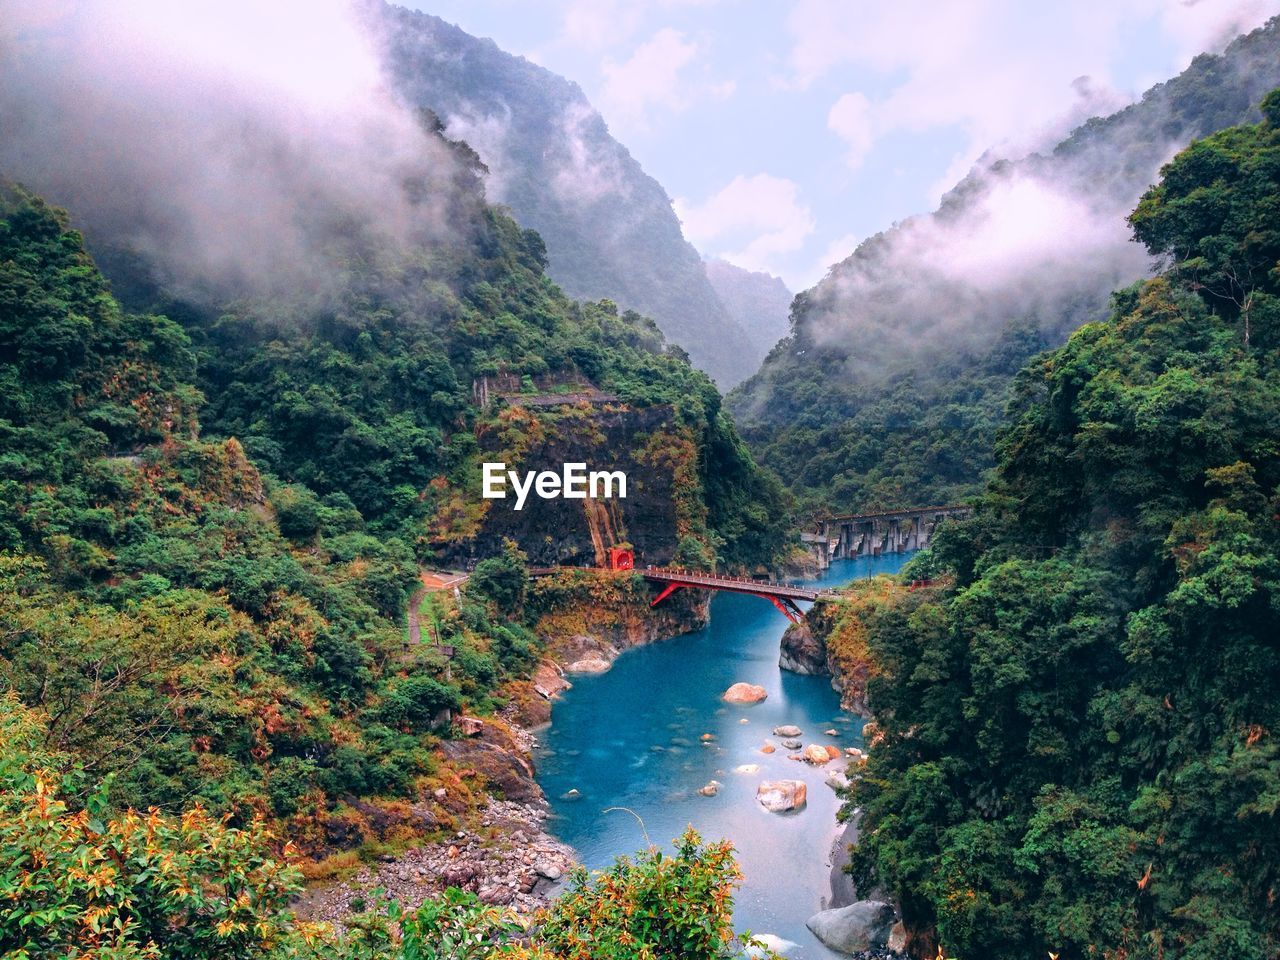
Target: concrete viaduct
(871, 534)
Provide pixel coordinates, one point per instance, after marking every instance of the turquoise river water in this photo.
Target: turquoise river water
(631, 738)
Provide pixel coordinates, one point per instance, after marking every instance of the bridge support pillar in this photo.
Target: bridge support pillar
(667, 591)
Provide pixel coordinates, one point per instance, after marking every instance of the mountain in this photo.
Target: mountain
(1077, 749)
(609, 228)
(259, 485)
(759, 302)
(890, 388)
(249, 382)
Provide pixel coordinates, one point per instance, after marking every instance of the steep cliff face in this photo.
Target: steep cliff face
(586, 614)
(648, 445)
(587, 618)
(609, 227)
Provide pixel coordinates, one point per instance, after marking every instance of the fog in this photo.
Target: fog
(238, 147)
(1012, 247)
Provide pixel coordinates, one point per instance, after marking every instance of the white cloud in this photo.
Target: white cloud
(650, 77)
(723, 90)
(1009, 75)
(837, 250)
(750, 222)
(851, 120)
(589, 171)
(1201, 25)
(599, 24)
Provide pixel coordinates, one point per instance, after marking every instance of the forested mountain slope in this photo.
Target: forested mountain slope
(1079, 725)
(891, 386)
(608, 226)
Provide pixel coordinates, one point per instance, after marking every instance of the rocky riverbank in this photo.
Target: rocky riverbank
(506, 859)
(833, 640)
(501, 851)
(587, 619)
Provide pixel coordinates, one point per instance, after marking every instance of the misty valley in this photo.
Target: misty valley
(433, 528)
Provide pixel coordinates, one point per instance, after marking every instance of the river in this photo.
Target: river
(631, 738)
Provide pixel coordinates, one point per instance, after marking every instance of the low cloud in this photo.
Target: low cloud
(987, 66)
(589, 171)
(749, 222)
(1016, 247)
(236, 146)
(851, 119)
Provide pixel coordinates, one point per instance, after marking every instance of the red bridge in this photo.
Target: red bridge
(781, 595)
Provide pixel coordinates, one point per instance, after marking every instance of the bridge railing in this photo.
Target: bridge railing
(696, 576)
(949, 510)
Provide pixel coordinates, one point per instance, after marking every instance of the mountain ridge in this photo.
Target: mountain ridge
(609, 227)
(889, 389)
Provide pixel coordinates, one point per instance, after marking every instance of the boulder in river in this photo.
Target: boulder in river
(589, 665)
(779, 796)
(864, 925)
(745, 693)
(837, 779)
(792, 744)
(788, 730)
(747, 768)
(711, 789)
(801, 652)
(768, 747)
(816, 754)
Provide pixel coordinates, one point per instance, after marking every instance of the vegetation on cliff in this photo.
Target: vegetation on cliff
(609, 228)
(1080, 734)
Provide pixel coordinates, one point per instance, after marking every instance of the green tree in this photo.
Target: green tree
(502, 580)
(1079, 746)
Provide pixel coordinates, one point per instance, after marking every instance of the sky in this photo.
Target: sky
(786, 131)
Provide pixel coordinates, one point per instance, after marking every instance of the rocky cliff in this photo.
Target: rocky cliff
(649, 445)
(832, 639)
(587, 618)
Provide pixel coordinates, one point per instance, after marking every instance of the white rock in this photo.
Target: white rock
(780, 796)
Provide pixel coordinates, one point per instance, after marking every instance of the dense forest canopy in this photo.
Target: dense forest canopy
(889, 391)
(1080, 750)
